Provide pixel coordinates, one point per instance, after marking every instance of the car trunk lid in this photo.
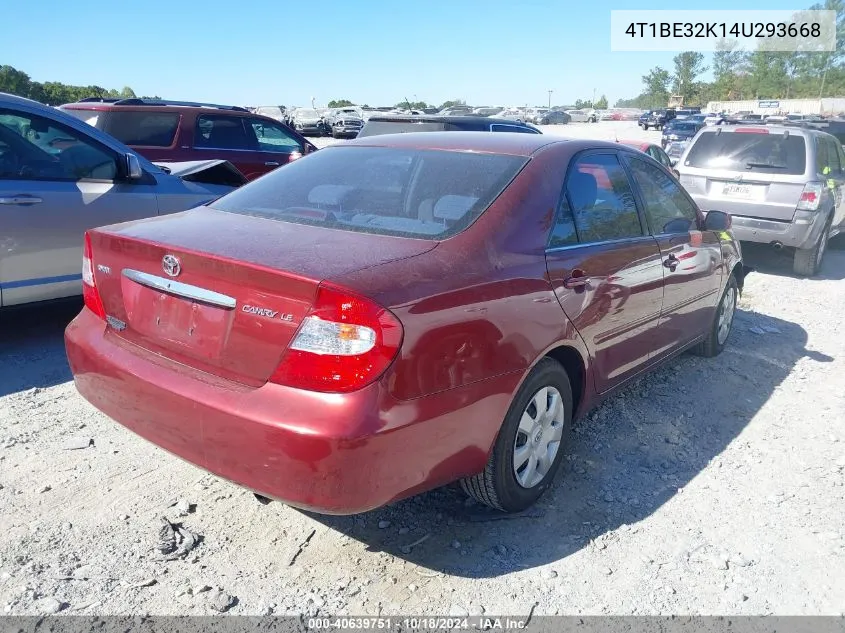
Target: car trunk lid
(224, 293)
(744, 194)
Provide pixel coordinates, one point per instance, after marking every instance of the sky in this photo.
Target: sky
(269, 52)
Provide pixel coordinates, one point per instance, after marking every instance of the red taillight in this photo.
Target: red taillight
(345, 343)
(811, 196)
(90, 294)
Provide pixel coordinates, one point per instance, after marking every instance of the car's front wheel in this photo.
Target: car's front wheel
(530, 444)
(808, 261)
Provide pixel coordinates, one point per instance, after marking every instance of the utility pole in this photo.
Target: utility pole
(593, 102)
(550, 99)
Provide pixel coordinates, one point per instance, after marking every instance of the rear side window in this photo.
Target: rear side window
(601, 200)
(223, 132)
(667, 208)
(756, 152)
(827, 155)
(512, 128)
(426, 194)
(151, 129)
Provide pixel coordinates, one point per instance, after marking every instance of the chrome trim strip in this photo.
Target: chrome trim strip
(180, 289)
(623, 240)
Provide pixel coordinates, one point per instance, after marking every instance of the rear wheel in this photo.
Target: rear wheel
(723, 320)
(530, 444)
(808, 261)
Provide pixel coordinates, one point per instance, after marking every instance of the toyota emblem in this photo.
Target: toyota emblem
(171, 265)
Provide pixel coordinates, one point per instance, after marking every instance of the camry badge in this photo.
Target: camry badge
(171, 265)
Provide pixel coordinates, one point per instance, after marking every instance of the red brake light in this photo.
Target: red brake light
(344, 343)
(90, 294)
(751, 130)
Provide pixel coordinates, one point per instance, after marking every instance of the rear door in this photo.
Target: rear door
(276, 143)
(55, 183)
(605, 269)
(692, 271)
(227, 137)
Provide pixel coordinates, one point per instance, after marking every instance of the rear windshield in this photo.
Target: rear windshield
(377, 128)
(427, 194)
(151, 129)
(749, 152)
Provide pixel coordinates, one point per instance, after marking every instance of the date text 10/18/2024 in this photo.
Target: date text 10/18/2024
(483, 623)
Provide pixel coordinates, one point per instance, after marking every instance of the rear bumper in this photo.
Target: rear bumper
(786, 233)
(336, 454)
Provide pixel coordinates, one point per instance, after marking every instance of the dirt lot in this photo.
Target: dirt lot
(709, 486)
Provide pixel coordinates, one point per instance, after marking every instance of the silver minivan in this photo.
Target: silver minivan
(782, 185)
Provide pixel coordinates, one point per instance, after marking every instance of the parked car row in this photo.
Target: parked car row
(188, 131)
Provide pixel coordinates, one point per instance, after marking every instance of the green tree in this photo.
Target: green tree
(581, 104)
(657, 87)
(340, 103)
(14, 81)
(688, 67)
(728, 64)
(452, 103)
(601, 104)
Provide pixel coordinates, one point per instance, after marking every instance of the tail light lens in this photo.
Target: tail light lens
(90, 294)
(811, 196)
(345, 343)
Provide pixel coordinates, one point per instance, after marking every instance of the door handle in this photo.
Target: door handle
(576, 280)
(22, 199)
(271, 163)
(671, 262)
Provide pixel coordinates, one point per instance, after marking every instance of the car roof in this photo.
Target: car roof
(772, 130)
(491, 143)
(641, 145)
(440, 118)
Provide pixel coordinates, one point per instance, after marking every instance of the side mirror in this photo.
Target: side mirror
(676, 172)
(133, 167)
(717, 221)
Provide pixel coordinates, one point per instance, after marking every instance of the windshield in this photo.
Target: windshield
(756, 152)
(683, 126)
(429, 194)
(308, 114)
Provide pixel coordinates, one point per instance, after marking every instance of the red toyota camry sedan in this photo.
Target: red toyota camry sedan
(387, 316)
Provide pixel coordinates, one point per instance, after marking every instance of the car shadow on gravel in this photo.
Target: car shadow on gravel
(626, 459)
(767, 259)
(32, 349)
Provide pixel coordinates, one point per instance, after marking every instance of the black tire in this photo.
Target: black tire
(712, 346)
(808, 261)
(497, 486)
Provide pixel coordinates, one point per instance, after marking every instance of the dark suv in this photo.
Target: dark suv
(187, 131)
(658, 118)
(396, 124)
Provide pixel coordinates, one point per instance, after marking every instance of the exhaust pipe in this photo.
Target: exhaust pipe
(262, 499)
(777, 245)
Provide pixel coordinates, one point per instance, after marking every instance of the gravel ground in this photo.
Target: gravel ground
(708, 487)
